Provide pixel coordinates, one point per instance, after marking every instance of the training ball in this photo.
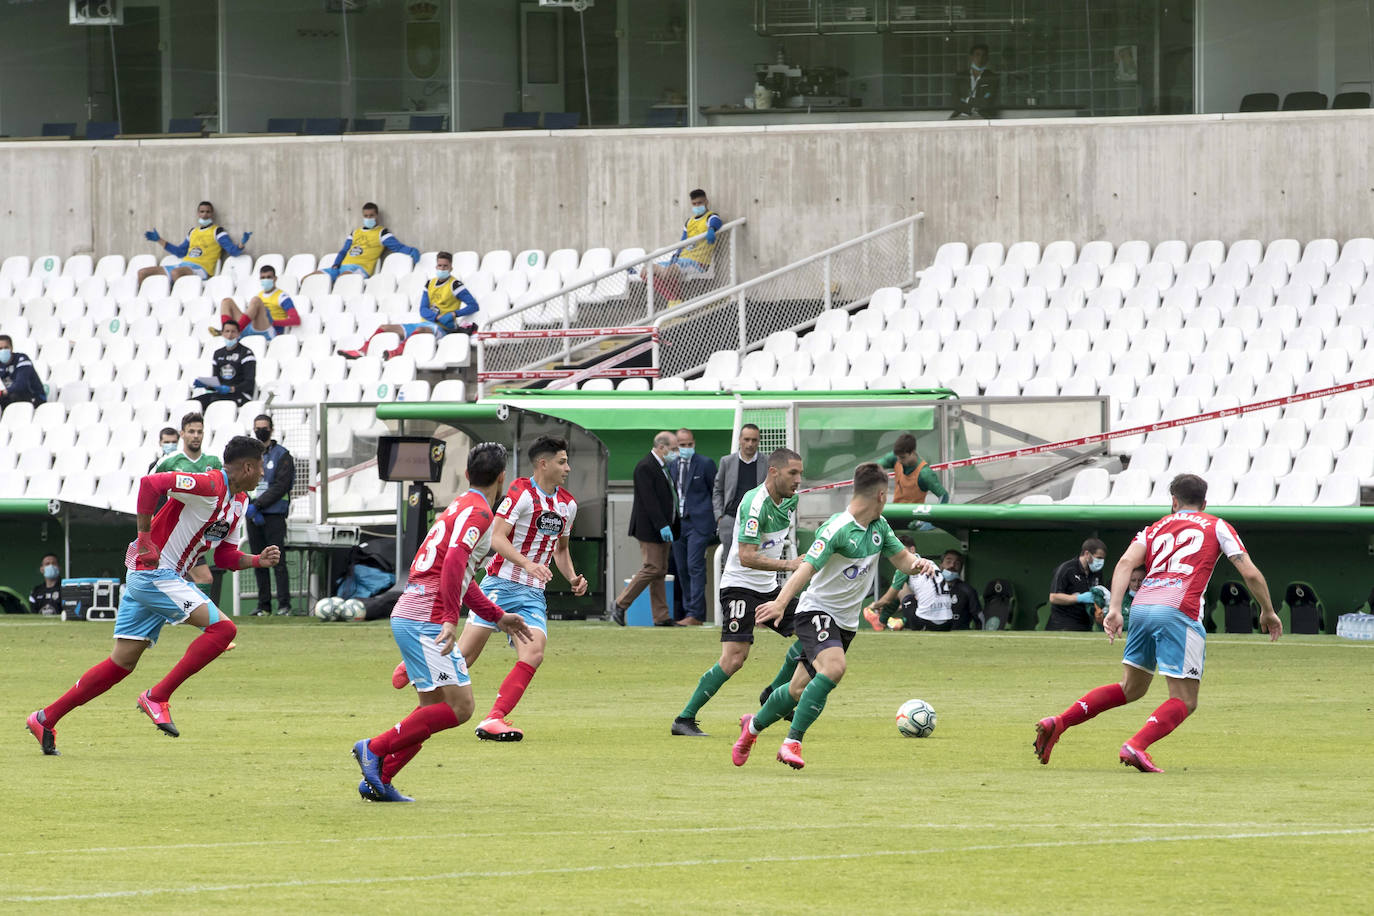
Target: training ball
(352, 609)
(329, 608)
(895, 623)
(916, 719)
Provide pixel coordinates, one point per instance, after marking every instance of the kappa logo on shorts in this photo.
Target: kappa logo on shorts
(185, 482)
(1192, 672)
(187, 605)
(445, 676)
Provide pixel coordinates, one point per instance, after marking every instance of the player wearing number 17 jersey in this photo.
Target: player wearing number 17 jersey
(425, 620)
(1179, 552)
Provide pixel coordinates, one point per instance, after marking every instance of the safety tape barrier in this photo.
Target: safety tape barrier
(538, 333)
(1126, 433)
(611, 368)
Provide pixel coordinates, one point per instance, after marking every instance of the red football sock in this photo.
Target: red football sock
(204, 649)
(87, 687)
(667, 286)
(414, 729)
(1166, 718)
(392, 763)
(244, 321)
(512, 689)
(367, 343)
(1100, 699)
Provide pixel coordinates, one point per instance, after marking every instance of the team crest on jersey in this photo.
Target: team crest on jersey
(877, 539)
(355, 250)
(561, 509)
(550, 523)
(751, 528)
(185, 482)
(195, 253)
(470, 538)
(228, 371)
(504, 507)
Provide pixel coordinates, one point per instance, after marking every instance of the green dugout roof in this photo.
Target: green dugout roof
(42, 507)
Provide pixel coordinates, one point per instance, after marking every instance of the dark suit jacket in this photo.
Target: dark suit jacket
(983, 102)
(654, 506)
(701, 481)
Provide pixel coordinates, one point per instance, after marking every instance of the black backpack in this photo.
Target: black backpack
(999, 605)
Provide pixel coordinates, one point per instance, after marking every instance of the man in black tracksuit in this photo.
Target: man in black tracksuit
(266, 515)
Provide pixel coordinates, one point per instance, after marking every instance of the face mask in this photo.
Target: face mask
(1096, 564)
(698, 210)
(50, 571)
(686, 451)
(949, 574)
(262, 434)
(168, 448)
(1130, 593)
(977, 69)
(443, 274)
(267, 284)
(671, 456)
(5, 356)
(230, 344)
(369, 222)
(204, 223)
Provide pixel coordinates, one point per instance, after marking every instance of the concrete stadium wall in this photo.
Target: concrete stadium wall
(1303, 175)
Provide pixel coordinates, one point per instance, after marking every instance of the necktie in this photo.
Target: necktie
(681, 487)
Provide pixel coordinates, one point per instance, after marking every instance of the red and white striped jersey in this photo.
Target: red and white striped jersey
(538, 520)
(464, 527)
(1181, 550)
(200, 513)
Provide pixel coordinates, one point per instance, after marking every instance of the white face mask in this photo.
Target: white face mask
(5, 356)
(949, 574)
(369, 222)
(1096, 564)
(204, 223)
(267, 284)
(231, 343)
(168, 448)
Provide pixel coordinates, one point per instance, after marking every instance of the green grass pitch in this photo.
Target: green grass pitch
(1265, 805)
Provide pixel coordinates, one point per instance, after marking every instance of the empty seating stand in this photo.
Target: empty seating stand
(102, 130)
(1350, 100)
(520, 120)
(285, 125)
(1260, 101)
(186, 126)
(59, 129)
(561, 120)
(1305, 101)
(431, 123)
(323, 126)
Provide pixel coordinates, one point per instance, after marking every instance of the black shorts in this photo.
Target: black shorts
(817, 631)
(737, 607)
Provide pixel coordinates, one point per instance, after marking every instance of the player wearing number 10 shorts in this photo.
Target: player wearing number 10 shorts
(767, 516)
(840, 567)
(1180, 552)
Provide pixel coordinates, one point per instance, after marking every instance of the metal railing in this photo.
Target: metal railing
(741, 317)
(626, 295)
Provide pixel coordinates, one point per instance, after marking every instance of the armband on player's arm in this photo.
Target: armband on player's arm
(481, 605)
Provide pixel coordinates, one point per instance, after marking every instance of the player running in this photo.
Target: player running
(766, 519)
(840, 567)
(424, 621)
(532, 524)
(202, 513)
(1166, 628)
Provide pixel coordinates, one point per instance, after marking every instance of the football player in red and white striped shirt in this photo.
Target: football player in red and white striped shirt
(1166, 631)
(201, 515)
(532, 526)
(425, 620)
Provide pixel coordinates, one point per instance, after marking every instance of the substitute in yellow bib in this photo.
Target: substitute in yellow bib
(363, 248)
(200, 251)
(443, 304)
(693, 260)
(269, 313)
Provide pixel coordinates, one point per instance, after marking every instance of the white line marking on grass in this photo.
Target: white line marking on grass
(733, 828)
(1234, 639)
(684, 863)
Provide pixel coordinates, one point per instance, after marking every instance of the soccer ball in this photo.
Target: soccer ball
(329, 608)
(352, 609)
(916, 719)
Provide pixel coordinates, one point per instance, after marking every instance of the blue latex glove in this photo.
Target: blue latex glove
(925, 526)
(711, 234)
(1085, 597)
(199, 384)
(254, 514)
(244, 241)
(666, 532)
(221, 389)
(152, 236)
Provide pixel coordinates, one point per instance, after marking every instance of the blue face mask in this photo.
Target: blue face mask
(686, 451)
(369, 222)
(671, 456)
(5, 356)
(50, 571)
(443, 274)
(949, 574)
(204, 223)
(267, 284)
(698, 210)
(1130, 592)
(168, 448)
(1096, 564)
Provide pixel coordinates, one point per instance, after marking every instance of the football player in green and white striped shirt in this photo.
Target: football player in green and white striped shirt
(766, 518)
(840, 567)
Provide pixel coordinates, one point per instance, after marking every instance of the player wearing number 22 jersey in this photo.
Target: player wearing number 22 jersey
(839, 567)
(1179, 552)
(425, 621)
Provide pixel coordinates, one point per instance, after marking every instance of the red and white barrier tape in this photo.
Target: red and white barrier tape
(610, 368)
(1126, 433)
(549, 333)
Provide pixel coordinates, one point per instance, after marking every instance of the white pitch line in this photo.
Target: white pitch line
(685, 863)
(731, 828)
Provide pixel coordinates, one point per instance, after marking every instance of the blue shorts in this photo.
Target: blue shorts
(425, 666)
(1164, 638)
(513, 598)
(434, 327)
(154, 597)
(345, 269)
(269, 332)
(190, 265)
(686, 265)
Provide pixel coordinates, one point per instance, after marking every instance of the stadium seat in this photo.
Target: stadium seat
(1259, 101)
(1305, 101)
(1347, 100)
(449, 390)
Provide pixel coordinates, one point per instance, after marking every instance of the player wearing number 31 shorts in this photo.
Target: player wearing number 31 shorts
(840, 567)
(1179, 552)
(767, 517)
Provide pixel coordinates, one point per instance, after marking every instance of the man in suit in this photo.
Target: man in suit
(975, 92)
(653, 522)
(694, 477)
(740, 472)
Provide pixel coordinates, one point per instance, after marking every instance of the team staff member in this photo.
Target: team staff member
(653, 518)
(914, 478)
(46, 597)
(18, 379)
(200, 250)
(694, 479)
(234, 368)
(968, 610)
(166, 444)
(266, 515)
(268, 314)
(692, 260)
(1074, 605)
(739, 473)
(442, 304)
(363, 247)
